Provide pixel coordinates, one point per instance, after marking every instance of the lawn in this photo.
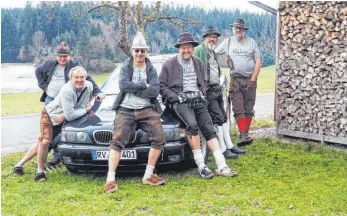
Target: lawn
(26, 103)
(275, 178)
(266, 79)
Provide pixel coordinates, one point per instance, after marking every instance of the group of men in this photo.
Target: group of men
(190, 85)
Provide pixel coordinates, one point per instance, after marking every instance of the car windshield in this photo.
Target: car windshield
(111, 86)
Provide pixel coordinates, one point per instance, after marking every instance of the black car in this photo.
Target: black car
(84, 142)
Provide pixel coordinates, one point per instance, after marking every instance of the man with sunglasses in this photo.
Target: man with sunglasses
(214, 94)
(183, 89)
(136, 107)
(244, 64)
(51, 76)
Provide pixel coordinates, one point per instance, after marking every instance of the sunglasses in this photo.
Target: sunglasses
(140, 50)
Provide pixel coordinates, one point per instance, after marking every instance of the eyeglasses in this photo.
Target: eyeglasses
(140, 50)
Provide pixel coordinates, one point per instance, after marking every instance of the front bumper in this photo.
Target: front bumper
(78, 157)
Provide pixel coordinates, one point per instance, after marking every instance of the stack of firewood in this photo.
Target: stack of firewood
(312, 68)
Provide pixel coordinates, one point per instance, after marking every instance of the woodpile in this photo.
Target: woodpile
(312, 69)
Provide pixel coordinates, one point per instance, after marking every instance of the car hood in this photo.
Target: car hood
(104, 121)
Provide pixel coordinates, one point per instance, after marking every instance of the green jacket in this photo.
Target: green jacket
(200, 51)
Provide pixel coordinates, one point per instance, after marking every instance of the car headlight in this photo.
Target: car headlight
(75, 137)
(175, 134)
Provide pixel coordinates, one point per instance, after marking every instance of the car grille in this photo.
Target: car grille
(103, 137)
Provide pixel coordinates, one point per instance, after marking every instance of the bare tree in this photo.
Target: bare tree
(133, 14)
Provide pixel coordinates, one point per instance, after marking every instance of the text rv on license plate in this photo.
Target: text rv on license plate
(124, 155)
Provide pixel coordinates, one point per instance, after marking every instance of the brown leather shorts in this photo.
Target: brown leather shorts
(46, 127)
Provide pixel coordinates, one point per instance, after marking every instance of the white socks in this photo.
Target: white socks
(199, 159)
(226, 132)
(111, 176)
(40, 171)
(220, 159)
(149, 171)
(221, 138)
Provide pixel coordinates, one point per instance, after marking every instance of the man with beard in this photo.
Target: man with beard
(245, 63)
(214, 95)
(182, 88)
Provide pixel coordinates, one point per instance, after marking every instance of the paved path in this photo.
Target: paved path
(18, 133)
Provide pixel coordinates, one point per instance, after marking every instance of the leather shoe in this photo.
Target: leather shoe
(237, 150)
(229, 154)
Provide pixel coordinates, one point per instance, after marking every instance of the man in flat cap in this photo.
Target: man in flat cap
(183, 89)
(244, 62)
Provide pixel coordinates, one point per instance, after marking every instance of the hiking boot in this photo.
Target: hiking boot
(54, 161)
(154, 180)
(226, 172)
(206, 173)
(40, 177)
(228, 154)
(110, 187)
(244, 139)
(18, 171)
(237, 150)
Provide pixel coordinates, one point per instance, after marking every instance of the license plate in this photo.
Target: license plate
(124, 155)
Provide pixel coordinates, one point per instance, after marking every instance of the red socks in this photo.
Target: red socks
(248, 123)
(242, 124)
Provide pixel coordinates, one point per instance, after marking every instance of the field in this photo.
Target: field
(275, 178)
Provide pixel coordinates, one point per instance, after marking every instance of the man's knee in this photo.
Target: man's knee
(193, 129)
(45, 143)
(158, 140)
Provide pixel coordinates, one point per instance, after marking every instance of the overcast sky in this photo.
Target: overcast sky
(206, 4)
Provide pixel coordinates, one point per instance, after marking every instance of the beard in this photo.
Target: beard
(211, 46)
(238, 36)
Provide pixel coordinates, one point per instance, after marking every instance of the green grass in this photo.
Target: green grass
(266, 79)
(264, 122)
(275, 178)
(29, 102)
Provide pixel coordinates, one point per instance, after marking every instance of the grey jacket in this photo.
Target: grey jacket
(69, 103)
(44, 74)
(139, 89)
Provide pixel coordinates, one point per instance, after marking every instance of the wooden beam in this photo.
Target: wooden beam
(264, 7)
(318, 137)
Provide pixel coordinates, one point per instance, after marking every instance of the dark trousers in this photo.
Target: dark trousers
(128, 120)
(216, 110)
(195, 119)
(243, 95)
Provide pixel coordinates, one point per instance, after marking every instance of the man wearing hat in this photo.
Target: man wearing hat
(214, 95)
(137, 107)
(51, 76)
(244, 62)
(183, 89)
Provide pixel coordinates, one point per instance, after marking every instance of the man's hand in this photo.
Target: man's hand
(91, 113)
(89, 107)
(100, 96)
(58, 119)
(147, 85)
(174, 106)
